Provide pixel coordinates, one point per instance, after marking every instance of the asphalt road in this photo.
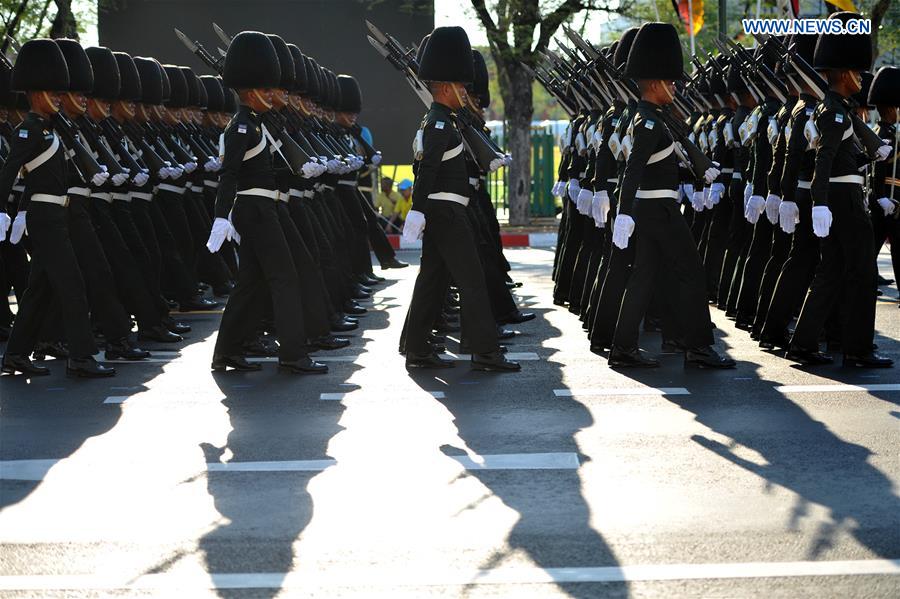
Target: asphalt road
(566, 480)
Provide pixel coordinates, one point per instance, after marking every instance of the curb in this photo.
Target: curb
(510, 240)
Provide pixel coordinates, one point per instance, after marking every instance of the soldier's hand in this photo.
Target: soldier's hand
(716, 191)
(558, 189)
(18, 228)
(788, 216)
(821, 217)
(583, 204)
(697, 200)
(773, 202)
(141, 179)
(119, 178)
(756, 205)
(623, 227)
(883, 152)
(100, 179)
(414, 226)
(600, 208)
(4, 225)
(574, 189)
(748, 191)
(887, 206)
(222, 230)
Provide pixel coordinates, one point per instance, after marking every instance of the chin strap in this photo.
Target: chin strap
(268, 105)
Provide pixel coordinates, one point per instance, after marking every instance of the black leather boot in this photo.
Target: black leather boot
(706, 357)
(808, 357)
(431, 360)
(179, 328)
(870, 360)
(88, 368)
(55, 349)
(303, 366)
(223, 363)
(393, 263)
(494, 362)
(122, 349)
(160, 334)
(14, 363)
(620, 357)
(329, 342)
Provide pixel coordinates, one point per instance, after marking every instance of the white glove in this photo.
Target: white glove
(688, 189)
(190, 167)
(821, 217)
(772, 204)
(585, 196)
(886, 205)
(212, 165)
(882, 153)
(788, 216)
(176, 171)
(574, 189)
(18, 228)
(623, 227)
(118, 179)
(748, 191)
(711, 174)
(707, 198)
(141, 179)
(311, 169)
(164, 173)
(600, 208)
(4, 225)
(413, 226)
(697, 201)
(334, 166)
(558, 189)
(100, 178)
(376, 159)
(756, 205)
(716, 191)
(222, 230)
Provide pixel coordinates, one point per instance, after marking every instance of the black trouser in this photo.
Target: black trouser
(449, 246)
(171, 205)
(887, 228)
(102, 295)
(310, 230)
(135, 287)
(781, 246)
(502, 302)
(664, 241)
(796, 273)
(265, 266)
(755, 265)
(716, 244)
(15, 276)
(314, 297)
(565, 270)
(359, 228)
(606, 314)
(54, 274)
(211, 268)
(561, 234)
(591, 241)
(178, 281)
(845, 274)
(739, 231)
(384, 252)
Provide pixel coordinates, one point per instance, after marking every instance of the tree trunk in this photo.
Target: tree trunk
(878, 11)
(12, 28)
(519, 110)
(64, 24)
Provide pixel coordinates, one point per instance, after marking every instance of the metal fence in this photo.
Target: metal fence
(543, 175)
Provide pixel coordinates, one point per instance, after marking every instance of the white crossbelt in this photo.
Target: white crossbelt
(258, 147)
(804, 184)
(453, 153)
(122, 197)
(80, 191)
(727, 171)
(259, 191)
(848, 131)
(653, 194)
(172, 188)
(141, 195)
(656, 157)
(50, 199)
(43, 156)
(858, 179)
(102, 195)
(449, 197)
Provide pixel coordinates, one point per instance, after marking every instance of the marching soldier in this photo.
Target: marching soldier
(246, 195)
(885, 203)
(846, 272)
(649, 192)
(41, 72)
(440, 198)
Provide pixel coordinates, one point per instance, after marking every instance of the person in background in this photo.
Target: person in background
(403, 204)
(385, 201)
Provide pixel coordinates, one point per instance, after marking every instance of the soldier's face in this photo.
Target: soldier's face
(279, 98)
(74, 103)
(854, 81)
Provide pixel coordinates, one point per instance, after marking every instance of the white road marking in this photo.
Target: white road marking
(362, 394)
(836, 388)
(613, 391)
(116, 399)
(419, 575)
(514, 356)
(36, 470)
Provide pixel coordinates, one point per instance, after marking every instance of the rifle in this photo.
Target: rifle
(481, 148)
(104, 153)
(870, 140)
(373, 156)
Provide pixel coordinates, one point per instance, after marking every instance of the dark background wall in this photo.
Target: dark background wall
(331, 31)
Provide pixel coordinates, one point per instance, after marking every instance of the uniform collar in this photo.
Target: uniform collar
(650, 106)
(437, 106)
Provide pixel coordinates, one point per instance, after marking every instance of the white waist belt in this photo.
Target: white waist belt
(80, 191)
(209, 183)
(258, 191)
(652, 194)
(736, 175)
(122, 197)
(140, 195)
(473, 181)
(661, 154)
(451, 154)
(449, 197)
(102, 195)
(283, 197)
(309, 193)
(295, 193)
(172, 188)
(858, 179)
(349, 183)
(613, 180)
(804, 184)
(50, 199)
(726, 171)
(195, 188)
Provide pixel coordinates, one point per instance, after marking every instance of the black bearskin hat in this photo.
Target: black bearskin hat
(215, 95)
(843, 50)
(131, 80)
(107, 80)
(40, 66)
(81, 75)
(285, 61)
(885, 87)
(655, 53)
(151, 79)
(193, 87)
(480, 86)
(299, 69)
(178, 87)
(862, 96)
(447, 57)
(351, 96)
(251, 62)
(620, 57)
